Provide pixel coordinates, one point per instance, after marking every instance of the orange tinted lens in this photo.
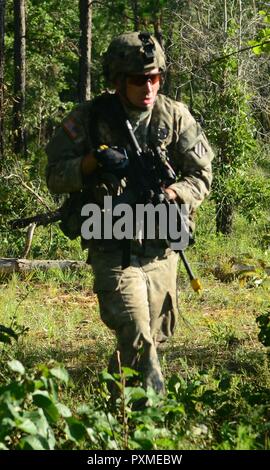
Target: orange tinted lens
(140, 80)
(155, 78)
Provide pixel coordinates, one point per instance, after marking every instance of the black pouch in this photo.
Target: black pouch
(71, 220)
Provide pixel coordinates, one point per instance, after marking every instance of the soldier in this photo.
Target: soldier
(87, 156)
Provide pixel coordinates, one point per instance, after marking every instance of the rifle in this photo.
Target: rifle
(45, 218)
(69, 216)
(151, 186)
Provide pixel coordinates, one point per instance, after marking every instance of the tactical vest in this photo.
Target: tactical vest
(107, 127)
(105, 109)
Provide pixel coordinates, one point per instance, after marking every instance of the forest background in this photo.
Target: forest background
(218, 64)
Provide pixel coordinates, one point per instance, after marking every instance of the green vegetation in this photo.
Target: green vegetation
(216, 365)
(53, 346)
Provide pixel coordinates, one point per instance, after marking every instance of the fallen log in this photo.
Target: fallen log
(11, 265)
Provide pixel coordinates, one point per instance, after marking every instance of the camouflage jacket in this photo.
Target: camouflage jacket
(172, 128)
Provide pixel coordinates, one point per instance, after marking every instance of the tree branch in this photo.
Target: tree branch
(32, 191)
(223, 57)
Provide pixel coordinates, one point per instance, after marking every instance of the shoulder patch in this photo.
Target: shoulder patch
(200, 149)
(71, 128)
(162, 133)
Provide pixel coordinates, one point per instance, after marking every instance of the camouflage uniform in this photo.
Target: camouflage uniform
(139, 302)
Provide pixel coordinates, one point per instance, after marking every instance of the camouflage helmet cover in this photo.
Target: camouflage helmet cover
(132, 53)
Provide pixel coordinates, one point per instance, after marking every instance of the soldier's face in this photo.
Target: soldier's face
(141, 90)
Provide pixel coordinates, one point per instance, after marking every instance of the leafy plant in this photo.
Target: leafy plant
(7, 334)
(261, 44)
(30, 409)
(264, 325)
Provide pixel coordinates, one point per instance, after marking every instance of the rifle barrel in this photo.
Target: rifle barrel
(39, 219)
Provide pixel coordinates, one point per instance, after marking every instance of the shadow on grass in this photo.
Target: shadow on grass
(82, 363)
(234, 360)
(85, 362)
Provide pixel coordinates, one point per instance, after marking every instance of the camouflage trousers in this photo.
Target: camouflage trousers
(139, 304)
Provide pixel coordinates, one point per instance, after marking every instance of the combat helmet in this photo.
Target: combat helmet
(132, 53)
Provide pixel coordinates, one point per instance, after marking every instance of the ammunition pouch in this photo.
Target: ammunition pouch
(71, 219)
(105, 184)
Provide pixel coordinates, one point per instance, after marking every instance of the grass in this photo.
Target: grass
(215, 353)
(62, 317)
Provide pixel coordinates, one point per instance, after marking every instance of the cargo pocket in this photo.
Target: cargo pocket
(167, 320)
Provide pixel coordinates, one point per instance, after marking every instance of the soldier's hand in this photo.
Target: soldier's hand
(170, 194)
(88, 164)
(112, 160)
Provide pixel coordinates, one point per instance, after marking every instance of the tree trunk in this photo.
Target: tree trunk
(84, 85)
(136, 16)
(224, 217)
(158, 31)
(19, 77)
(224, 205)
(2, 55)
(11, 265)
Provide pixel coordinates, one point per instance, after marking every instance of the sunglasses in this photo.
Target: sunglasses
(140, 80)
